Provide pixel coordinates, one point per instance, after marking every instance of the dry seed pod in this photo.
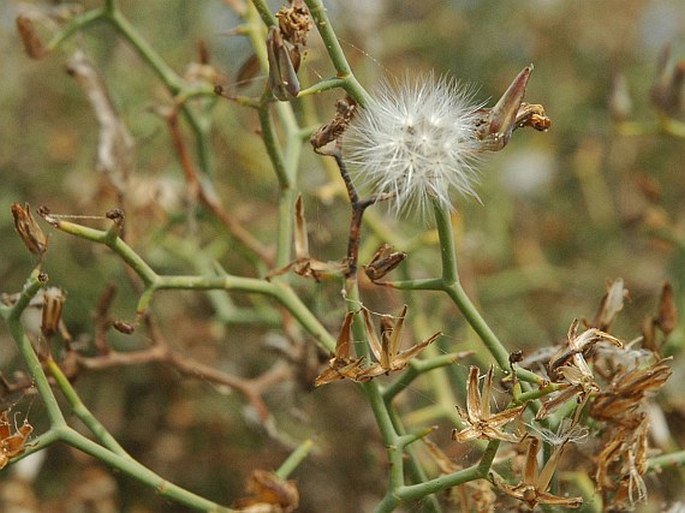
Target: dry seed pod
(29, 37)
(284, 61)
(29, 230)
(383, 261)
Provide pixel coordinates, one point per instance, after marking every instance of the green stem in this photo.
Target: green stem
(82, 412)
(453, 288)
(76, 24)
(335, 52)
(29, 355)
(295, 458)
(165, 73)
(674, 459)
(117, 245)
(141, 473)
(265, 13)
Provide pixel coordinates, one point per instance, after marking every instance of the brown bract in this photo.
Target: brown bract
(482, 424)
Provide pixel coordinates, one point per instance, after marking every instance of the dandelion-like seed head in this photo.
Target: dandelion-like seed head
(416, 142)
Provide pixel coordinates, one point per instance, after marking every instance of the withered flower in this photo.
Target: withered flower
(269, 494)
(29, 230)
(621, 464)
(12, 441)
(481, 423)
(625, 393)
(385, 350)
(295, 23)
(331, 131)
(570, 367)
(533, 489)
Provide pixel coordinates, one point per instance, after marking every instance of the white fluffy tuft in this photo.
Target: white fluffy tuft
(416, 141)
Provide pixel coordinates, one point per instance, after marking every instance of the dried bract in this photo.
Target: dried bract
(385, 350)
(570, 367)
(481, 423)
(665, 320)
(625, 393)
(570, 363)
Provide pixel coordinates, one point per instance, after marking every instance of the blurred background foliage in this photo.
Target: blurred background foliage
(563, 212)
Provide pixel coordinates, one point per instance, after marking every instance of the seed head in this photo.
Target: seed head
(416, 141)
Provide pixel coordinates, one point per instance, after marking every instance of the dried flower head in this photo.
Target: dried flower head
(480, 422)
(416, 141)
